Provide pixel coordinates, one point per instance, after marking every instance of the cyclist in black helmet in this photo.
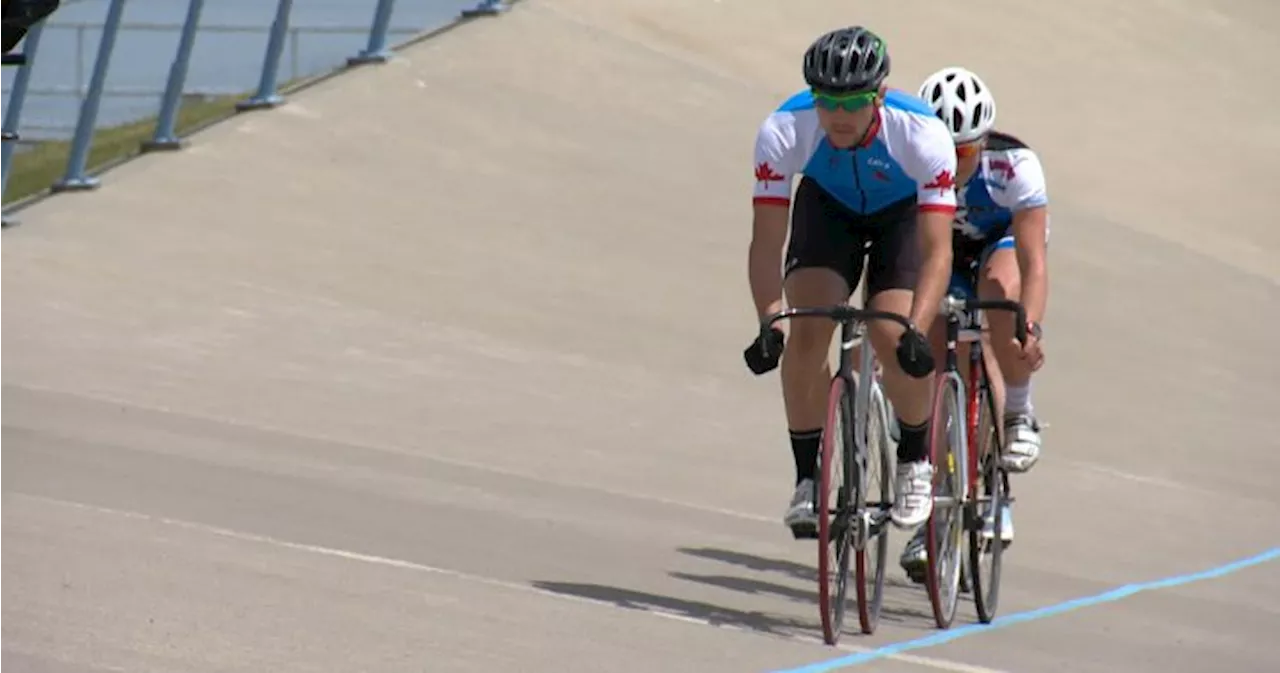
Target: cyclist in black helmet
(877, 192)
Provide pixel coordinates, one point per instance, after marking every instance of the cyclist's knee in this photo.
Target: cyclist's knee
(883, 333)
(809, 339)
(808, 342)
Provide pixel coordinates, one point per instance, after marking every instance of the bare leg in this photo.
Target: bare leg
(1000, 279)
(806, 375)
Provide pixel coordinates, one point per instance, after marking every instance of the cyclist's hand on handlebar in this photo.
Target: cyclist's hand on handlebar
(1031, 352)
(763, 353)
(914, 355)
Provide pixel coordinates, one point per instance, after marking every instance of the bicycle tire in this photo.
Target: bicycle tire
(991, 486)
(942, 579)
(834, 532)
(869, 561)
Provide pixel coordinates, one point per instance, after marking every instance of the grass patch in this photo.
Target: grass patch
(36, 169)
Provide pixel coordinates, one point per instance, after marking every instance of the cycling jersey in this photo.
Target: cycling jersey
(1009, 178)
(908, 152)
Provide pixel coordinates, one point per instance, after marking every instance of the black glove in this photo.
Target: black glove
(763, 353)
(914, 355)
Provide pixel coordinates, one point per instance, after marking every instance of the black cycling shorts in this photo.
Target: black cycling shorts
(827, 234)
(968, 256)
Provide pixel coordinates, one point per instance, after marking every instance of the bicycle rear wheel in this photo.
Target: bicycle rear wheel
(985, 551)
(876, 484)
(834, 505)
(945, 526)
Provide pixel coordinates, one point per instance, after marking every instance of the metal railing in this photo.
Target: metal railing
(164, 136)
(75, 82)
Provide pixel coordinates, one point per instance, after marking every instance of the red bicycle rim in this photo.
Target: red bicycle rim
(826, 589)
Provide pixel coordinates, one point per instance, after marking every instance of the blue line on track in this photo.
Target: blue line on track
(1032, 615)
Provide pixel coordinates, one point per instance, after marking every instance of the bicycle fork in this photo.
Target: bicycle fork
(866, 519)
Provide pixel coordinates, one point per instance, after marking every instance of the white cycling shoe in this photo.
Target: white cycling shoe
(800, 516)
(913, 489)
(1022, 442)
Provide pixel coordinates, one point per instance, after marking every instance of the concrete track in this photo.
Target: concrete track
(437, 367)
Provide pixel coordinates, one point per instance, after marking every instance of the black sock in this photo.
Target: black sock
(913, 446)
(804, 446)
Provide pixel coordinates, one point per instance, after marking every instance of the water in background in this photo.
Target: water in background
(227, 57)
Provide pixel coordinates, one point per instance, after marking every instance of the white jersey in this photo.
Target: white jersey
(908, 154)
(1009, 179)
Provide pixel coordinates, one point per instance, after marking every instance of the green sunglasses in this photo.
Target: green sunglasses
(848, 101)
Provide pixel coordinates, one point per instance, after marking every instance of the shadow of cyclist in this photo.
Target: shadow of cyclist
(896, 607)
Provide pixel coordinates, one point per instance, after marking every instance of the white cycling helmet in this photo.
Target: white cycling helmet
(962, 100)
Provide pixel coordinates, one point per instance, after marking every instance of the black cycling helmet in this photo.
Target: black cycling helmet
(846, 60)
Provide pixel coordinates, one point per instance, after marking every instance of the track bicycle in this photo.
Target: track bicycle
(854, 493)
(963, 497)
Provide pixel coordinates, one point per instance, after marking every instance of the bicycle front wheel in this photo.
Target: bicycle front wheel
(876, 497)
(944, 528)
(986, 546)
(834, 504)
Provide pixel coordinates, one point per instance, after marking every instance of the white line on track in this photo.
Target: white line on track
(928, 662)
(389, 448)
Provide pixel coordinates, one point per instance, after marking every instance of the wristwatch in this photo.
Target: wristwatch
(1034, 329)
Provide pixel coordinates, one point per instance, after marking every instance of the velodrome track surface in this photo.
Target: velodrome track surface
(437, 367)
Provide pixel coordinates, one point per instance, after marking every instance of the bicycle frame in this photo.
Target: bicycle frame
(853, 322)
(964, 324)
(876, 513)
(955, 404)
(846, 516)
(979, 383)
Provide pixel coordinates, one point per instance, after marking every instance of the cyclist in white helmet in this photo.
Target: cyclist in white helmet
(999, 238)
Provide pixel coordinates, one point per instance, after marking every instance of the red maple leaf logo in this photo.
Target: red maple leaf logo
(766, 174)
(942, 182)
(1004, 166)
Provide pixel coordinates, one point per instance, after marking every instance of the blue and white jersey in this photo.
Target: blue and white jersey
(1009, 178)
(908, 152)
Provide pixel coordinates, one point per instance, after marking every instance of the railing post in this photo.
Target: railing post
(266, 95)
(75, 178)
(485, 8)
(13, 114)
(165, 137)
(376, 51)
